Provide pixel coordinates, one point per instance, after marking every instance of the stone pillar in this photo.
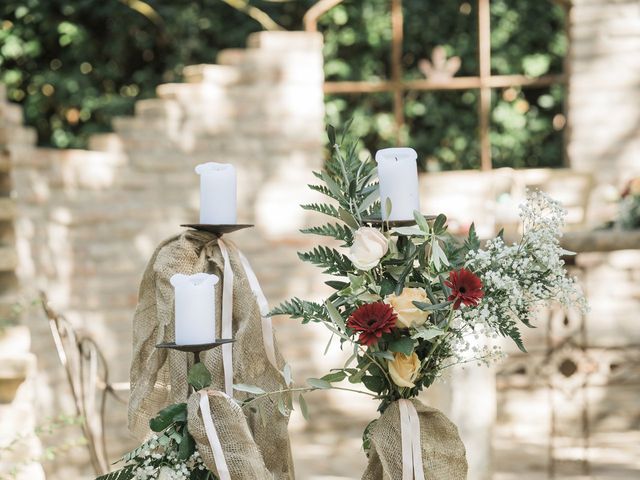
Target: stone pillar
(604, 88)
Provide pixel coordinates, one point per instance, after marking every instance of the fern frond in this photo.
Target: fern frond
(335, 230)
(125, 473)
(308, 311)
(330, 259)
(324, 208)
(324, 190)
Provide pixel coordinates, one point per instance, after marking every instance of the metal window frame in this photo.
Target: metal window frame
(484, 82)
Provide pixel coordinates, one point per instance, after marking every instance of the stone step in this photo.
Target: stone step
(7, 209)
(10, 113)
(285, 41)
(106, 142)
(154, 108)
(231, 56)
(8, 259)
(17, 135)
(216, 74)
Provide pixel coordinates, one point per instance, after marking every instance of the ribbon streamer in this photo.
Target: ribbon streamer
(212, 436)
(412, 468)
(263, 305)
(226, 329)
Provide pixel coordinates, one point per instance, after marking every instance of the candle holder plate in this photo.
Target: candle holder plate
(218, 229)
(396, 223)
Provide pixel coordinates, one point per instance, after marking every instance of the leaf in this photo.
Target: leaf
(199, 377)
(319, 383)
(408, 231)
(472, 242)
(430, 307)
(323, 208)
(402, 345)
(357, 377)
(347, 218)
(304, 409)
(125, 473)
(384, 354)
(375, 384)
(421, 221)
(331, 133)
(187, 446)
(326, 349)
(369, 200)
(286, 373)
(296, 308)
(332, 186)
(427, 333)
(388, 206)
(438, 225)
(167, 416)
(243, 387)
(335, 315)
(330, 259)
(282, 407)
(334, 230)
(335, 376)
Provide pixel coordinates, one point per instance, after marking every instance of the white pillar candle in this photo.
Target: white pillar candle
(398, 175)
(195, 308)
(217, 193)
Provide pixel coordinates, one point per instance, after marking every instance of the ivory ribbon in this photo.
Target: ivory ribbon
(226, 328)
(212, 436)
(412, 468)
(263, 305)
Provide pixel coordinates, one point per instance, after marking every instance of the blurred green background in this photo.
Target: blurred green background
(74, 65)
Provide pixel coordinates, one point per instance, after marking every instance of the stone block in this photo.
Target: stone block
(106, 142)
(215, 74)
(154, 108)
(8, 259)
(10, 113)
(7, 209)
(286, 41)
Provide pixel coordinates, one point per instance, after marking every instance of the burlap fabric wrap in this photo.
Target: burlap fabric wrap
(443, 453)
(158, 376)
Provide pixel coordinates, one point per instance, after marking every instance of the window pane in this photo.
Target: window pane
(372, 117)
(431, 23)
(527, 127)
(357, 41)
(527, 37)
(442, 127)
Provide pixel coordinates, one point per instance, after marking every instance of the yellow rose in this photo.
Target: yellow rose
(369, 246)
(408, 314)
(404, 369)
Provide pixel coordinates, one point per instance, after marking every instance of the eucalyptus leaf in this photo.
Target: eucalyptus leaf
(335, 315)
(304, 409)
(421, 221)
(286, 373)
(402, 345)
(369, 200)
(335, 376)
(384, 354)
(408, 231)
(347, 218)
(430, 307)
(282, 407)
(388, 206)
(319, 383)
(243, 387)
(427, 333)
(199, 377)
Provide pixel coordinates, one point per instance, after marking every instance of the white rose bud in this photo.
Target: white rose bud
(369, 246)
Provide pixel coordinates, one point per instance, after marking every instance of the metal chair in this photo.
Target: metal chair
(88, 377)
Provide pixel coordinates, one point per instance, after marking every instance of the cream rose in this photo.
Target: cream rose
(369, 246)
(404, 369)
(408, 314)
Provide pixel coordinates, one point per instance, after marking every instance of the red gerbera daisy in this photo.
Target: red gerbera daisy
(372, 320)
(466, 288)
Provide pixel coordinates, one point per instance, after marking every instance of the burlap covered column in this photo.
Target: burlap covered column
(158, 377)
(443, 453)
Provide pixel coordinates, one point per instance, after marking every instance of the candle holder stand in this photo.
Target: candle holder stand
(196, 349)
(217, 229)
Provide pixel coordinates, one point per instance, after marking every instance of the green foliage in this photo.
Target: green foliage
(328, 258)
(303, 309)
(335, 230)
(199, 376)
(173, 413)
(74, 65)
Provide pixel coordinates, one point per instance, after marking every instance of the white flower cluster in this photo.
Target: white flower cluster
(518, 279)
(156, 463)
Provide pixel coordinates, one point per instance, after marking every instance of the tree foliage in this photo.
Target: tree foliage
(76, 64)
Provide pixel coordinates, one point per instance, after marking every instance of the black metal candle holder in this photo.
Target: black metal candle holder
(196, 349)
(217, 229)
(378, 221)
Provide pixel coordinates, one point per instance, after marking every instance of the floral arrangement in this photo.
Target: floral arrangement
(411, 300)
(629, 206)
(170, 452)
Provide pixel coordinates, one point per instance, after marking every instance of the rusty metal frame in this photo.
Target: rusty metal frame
(88, 376)
(484, 82)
